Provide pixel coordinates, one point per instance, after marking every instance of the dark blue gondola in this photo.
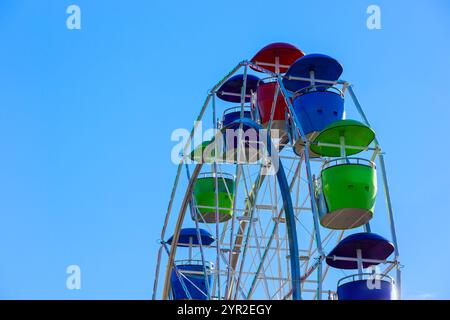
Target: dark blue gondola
(371, 287)
(194, 277)
(363, 286)
(231, 123)
(372, 246)
(230, 91)
(232, 114)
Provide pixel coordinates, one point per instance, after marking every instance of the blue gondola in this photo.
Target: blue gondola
(189, 236)
(193, 277)
(316, 104)
(193, 280)
(324, 68)
(370, 287)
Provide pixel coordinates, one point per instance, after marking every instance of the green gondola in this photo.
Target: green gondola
(205, 197)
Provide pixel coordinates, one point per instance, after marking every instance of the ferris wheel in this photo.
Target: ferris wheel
(278, 202)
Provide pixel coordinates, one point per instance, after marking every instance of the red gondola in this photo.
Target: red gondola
(277, 57)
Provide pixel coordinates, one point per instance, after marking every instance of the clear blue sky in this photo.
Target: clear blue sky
(86, 118)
